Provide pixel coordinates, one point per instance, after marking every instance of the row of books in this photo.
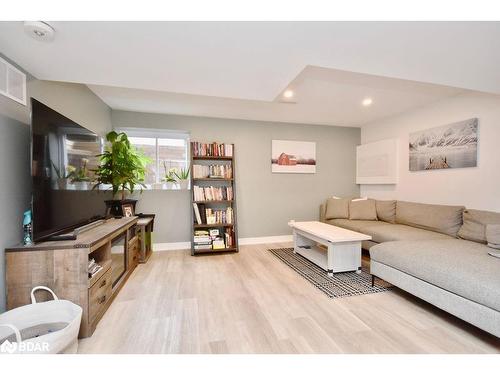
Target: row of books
(204, 215)
(213, 239)
(212, 193)
(212, 171)
(212, 149)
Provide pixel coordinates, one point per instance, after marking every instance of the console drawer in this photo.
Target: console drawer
(99, 295)
(134, 253)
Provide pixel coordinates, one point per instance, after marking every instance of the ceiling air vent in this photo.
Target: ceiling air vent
(12, 82)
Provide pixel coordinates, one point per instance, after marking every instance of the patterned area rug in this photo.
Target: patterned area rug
(343, 284)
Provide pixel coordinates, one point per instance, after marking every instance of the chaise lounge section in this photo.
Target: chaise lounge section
(435, 252)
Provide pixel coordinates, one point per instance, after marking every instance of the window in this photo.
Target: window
(167, 150)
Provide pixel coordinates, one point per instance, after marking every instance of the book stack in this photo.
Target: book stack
(93, 268)
(212, 171)
(212, 149)
(212, 193)
(202, 240)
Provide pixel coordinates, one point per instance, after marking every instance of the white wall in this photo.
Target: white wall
(473, 187)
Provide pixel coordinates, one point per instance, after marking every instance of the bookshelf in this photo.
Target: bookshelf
(213, 198)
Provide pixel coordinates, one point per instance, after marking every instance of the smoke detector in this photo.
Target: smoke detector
(39, 30)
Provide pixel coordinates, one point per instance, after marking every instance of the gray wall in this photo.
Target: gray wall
(74, 101)
(265, 200)
(15, 185)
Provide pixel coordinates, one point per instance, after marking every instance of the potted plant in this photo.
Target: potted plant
(170, 177)
(62, 176)
(80, 176)
(183, 177)
(123, 167)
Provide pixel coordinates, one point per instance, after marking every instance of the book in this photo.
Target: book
(202, 247)
(197, 213)
(212, 193)
(213, 149)
(218, 243)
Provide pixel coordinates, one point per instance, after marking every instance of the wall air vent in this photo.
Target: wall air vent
(12, 82)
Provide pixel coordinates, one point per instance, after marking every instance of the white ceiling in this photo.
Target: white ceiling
(238, 69)
(322, 96)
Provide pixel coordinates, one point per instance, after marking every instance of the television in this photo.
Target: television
(64, 155)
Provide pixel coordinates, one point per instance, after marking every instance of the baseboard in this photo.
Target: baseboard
(270, 239)
(169, 246)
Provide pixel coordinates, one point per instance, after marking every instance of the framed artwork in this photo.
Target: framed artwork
(449, 146)
(128, 210)
(293, 157)
(377, 162)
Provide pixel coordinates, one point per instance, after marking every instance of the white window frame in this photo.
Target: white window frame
(158, 134)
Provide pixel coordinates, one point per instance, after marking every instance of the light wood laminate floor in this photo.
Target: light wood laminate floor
(251, 302)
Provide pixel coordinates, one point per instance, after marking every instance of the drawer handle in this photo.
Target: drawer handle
(102, 284)
(102, 300)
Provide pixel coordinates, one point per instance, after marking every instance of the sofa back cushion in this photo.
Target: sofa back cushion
(362, 209)
(337, 208)
(386, 211)
(493, 235)
(475, 222)
(434, 217)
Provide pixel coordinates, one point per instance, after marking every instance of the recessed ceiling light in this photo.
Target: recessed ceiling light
(39, 30)
(367, 102)
(288, 94)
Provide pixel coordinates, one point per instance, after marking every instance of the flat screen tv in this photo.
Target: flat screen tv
(64, 154)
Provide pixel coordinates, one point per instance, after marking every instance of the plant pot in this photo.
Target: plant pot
(81, 185)
(183, 184)
(170, 185)
(114, 206)
(62, 183)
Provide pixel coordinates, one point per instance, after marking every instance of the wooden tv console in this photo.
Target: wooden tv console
(62, 266)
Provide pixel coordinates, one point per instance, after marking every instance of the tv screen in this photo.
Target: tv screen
(63, 157)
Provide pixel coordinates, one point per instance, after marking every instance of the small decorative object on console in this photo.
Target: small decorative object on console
(28, 229)
(128, 210)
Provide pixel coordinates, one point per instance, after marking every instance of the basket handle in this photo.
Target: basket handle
(16, 331)
(33, 299)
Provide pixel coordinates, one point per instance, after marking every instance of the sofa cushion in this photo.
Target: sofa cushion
(356, 225)
(362, 209)
(337, 208)
(474, 226)
(386, 211)
(458, 266)
(434, 217)
(493, 235)
(399, 232)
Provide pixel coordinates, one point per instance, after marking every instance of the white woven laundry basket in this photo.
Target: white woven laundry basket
(46, 327)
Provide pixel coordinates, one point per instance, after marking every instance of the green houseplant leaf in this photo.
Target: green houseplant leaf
(122, 165)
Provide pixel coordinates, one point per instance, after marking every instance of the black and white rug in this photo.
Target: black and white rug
(343, 284)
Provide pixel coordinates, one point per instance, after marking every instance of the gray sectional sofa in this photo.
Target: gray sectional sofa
(435, 252)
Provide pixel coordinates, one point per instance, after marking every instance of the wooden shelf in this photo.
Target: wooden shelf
(212, 179)
(212, 225)
(212, 158)
(208, 251)
(230, 229)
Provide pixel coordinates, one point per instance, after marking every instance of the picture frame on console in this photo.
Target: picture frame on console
(128, 210)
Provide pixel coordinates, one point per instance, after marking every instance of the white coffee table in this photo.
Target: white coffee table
(343, 251)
